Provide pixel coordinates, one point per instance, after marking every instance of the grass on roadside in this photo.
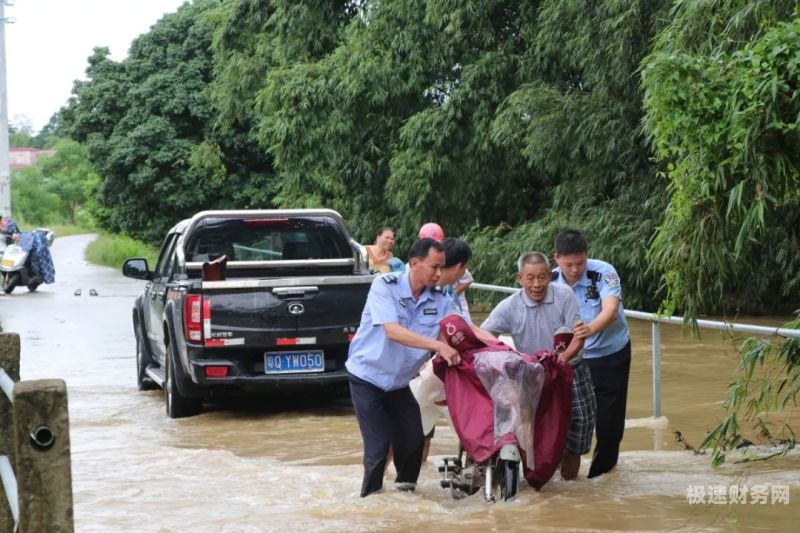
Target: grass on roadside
(61, 230)
(112, 250)
(108, 250)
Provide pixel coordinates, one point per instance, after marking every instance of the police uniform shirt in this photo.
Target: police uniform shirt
(614, 337)
(373, 357)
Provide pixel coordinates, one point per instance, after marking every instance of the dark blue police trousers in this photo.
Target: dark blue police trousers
(387, 417)
(610, 378)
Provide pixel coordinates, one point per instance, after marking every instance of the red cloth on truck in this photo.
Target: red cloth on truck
(471, 408)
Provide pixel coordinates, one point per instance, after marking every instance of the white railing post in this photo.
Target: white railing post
(9, 374)
(10, 490)
(656, 335)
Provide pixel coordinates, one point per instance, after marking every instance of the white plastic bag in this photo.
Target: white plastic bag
(515, 386)
(428, 389)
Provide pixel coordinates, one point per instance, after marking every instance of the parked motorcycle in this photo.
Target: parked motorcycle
(16, 261)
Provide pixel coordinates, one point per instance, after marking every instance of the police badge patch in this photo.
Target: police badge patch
(611, 279)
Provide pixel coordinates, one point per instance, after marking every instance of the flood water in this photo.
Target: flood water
(292, 465)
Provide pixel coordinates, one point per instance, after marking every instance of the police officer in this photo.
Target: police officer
(607, 345)
(398, 330)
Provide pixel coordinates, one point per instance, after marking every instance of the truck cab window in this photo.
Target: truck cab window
(165, 257)
(283, 239)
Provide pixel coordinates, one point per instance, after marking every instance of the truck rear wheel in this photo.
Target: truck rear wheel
(177, 405)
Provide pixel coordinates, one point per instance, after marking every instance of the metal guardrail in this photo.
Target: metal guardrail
(655, 334)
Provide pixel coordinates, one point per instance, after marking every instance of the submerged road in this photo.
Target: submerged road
(293, 465)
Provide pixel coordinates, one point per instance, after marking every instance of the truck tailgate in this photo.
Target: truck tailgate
(284, 312)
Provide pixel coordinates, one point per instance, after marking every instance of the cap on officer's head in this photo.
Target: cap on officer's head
(431, 230)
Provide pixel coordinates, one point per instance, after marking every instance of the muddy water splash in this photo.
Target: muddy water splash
(282, 465)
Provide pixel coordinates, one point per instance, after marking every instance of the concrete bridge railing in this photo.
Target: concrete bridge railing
(36, 489)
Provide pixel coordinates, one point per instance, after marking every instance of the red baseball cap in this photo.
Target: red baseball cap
(431, 230)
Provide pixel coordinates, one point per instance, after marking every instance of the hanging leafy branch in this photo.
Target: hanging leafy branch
(768, 384)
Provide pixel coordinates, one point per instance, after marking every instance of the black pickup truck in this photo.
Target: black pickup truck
(279, 314)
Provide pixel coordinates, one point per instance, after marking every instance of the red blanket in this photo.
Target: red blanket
(471, 408)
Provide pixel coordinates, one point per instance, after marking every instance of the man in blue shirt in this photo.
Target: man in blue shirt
(398, 329)
(607, 345)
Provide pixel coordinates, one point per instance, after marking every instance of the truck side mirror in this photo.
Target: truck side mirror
(136, 268)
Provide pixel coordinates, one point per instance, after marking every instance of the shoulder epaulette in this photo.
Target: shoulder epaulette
(389, 278)
(593, 275)
(554, 275)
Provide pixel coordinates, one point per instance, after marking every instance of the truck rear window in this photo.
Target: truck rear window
(268, 239)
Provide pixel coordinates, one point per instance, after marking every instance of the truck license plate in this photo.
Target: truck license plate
(294, 362)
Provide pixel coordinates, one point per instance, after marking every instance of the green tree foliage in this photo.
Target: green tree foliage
(722, 106)
(488, 113)
(721, 110)
(574, 123)
(260, 40)
(506, 121)
(50, 133)
(391, 126)
(19, 139)
(148, 124)
(55, 188)
(20, 134)
(31, 199)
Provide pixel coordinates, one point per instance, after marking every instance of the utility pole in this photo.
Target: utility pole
(5, 171)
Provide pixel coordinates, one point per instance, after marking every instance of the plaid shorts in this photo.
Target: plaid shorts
(584, 411)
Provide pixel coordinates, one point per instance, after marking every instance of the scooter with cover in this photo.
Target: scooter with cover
(25, 259)
(510, 410)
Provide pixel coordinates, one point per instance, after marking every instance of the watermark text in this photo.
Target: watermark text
(738, 494)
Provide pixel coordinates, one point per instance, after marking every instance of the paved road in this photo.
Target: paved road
(59, 330)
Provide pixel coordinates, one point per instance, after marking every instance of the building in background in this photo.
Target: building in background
(25, 157)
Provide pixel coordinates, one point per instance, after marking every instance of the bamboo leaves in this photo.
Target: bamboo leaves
(721, 114)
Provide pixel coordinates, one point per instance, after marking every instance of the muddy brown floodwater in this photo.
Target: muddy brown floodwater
(292, 465)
